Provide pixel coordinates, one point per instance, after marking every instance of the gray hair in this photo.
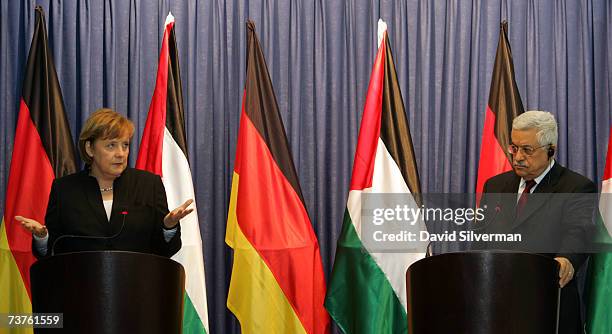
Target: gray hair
(543, 121)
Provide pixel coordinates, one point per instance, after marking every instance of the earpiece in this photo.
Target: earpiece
(551, 151)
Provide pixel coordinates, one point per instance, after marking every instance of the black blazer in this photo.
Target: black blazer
(75, 208)
(552, 220)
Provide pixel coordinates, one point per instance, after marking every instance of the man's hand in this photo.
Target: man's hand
(566, 271)
(32, 226)
(173, 217)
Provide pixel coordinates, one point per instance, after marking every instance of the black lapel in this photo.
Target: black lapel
(94, 197)
(508, 198)
(512, 184)
(120, 188)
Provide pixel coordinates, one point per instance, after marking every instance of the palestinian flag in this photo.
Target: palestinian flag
(504, 104)
(163, 151)
(43, 150)
(599, 316)
(277, 283)
(367, 290)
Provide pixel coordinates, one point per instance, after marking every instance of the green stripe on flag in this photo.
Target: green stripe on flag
(599, 317)
(191, 321)
(366, 303)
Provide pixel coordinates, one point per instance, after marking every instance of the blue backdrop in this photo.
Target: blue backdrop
(320, 55)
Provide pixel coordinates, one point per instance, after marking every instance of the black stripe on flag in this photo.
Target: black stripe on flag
(394, 129)
(175, 115)
(504, 97)
(262, 109)
(42, 94)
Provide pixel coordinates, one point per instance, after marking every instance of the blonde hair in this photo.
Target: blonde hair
(104, 123)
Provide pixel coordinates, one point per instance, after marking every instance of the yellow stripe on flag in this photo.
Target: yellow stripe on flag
(13, 294)
(253, 288)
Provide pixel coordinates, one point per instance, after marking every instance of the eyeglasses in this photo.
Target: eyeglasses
(527, 150)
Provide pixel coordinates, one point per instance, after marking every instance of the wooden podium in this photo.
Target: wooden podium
(110, 292)
(483, 293)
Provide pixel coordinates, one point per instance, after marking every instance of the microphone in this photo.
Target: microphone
(492, 220)
(124, 213)
(429, 249)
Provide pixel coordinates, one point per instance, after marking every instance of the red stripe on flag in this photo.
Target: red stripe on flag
(493, 159)
(363, 165)
(28, 189)
(151, 146)
(275, 222)
(608, 170)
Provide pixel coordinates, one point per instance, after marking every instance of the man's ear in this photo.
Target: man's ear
(551, 151)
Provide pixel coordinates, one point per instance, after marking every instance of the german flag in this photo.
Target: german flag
(43, 150)
(504, 104)
(277, 283)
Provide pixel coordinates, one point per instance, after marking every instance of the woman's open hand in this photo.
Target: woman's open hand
(33, 226)
(173, 217)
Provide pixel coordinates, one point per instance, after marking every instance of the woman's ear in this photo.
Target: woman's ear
(89, 149)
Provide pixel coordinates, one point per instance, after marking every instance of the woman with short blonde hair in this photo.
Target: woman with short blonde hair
(107, 205)
(104, 123)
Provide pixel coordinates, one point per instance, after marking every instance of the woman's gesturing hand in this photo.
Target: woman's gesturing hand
(33, 226)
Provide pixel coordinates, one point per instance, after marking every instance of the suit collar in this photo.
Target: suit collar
(544, 191)
(540, 178)
(550, 181)
(512, 184)
(94, 197)
(547, 184)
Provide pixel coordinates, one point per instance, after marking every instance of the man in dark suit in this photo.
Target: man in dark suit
(539, 200)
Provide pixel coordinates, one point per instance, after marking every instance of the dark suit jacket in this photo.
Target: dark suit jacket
(75, 208)
(553, 222)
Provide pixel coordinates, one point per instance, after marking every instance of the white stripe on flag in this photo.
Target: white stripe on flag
(604, 206)
(387, 178)
(179, 188)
